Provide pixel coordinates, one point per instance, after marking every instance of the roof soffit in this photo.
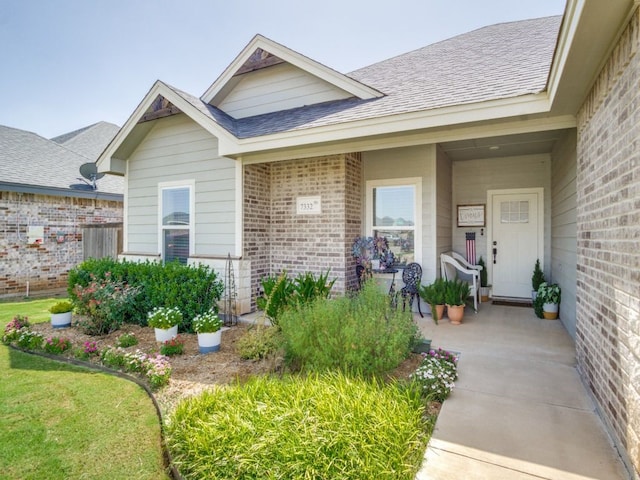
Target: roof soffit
(262, 52)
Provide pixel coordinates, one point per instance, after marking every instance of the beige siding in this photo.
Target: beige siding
(444, 216)
(563, 227)
(472, 179)
(277, 88)
(179, 149)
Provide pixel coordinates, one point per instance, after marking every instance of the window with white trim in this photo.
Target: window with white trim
(176, 221)
(393, 211)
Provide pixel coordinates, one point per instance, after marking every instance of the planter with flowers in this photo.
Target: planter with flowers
(61, 314)
(165, 321)
(208, 327)
(549, 296)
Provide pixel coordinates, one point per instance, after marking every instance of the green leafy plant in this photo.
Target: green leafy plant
(126, 340)
(62, 306)
(208, 322)
(29, 340)
(434, 294)
(456, 292)
(321, 426)
(56, 345)
(307, 287)
(538, 306)
(361, 334)
(278, 291)
(172, 347)
(538, 276)
(155, 368)
(484, 274)
(193, 289)
(164, 317)
(103, 304)
(549, 293)
(259, 342)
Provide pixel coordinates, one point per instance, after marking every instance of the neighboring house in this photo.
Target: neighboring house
(48, 207)
(282, 162)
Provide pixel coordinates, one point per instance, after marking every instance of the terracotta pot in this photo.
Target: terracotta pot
(440, 312)
(550, 311)
(455, 313)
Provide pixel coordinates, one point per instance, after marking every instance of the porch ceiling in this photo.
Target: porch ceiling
(502, 146)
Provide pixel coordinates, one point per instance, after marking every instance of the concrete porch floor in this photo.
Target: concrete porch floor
(519, 410)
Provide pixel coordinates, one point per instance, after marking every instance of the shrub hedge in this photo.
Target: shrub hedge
(192, 289)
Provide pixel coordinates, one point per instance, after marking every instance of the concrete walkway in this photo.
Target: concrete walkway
(519, 410)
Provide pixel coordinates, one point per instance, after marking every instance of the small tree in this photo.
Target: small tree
(538, 276)
(484, 280)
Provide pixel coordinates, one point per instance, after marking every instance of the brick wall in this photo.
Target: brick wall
(45, 266)
(276, 238)
(608, 230)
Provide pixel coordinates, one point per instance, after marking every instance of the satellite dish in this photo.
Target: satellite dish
(90, 172)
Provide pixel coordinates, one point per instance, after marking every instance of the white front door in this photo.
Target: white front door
(516, 240)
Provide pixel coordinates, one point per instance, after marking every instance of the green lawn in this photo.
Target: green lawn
(59, 421)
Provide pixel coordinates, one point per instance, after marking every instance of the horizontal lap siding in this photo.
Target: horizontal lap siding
(179, 149)
(277, 88)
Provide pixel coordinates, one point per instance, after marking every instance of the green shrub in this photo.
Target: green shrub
(191, 289)
(259, 342)
(325, 426)
(436, 374)
(62, 306)
(14, 328)
(29, 340)
(172, 347)
(126, 340)
(362, 334)
(56, 345)
(103, 304)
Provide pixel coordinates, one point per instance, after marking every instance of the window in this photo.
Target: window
(176, 221)
(393, 211)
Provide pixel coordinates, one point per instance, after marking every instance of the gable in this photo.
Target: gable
(278, 87)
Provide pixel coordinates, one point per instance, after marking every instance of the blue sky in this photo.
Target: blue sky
(65, 64)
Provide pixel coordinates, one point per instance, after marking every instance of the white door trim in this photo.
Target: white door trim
(489, 222)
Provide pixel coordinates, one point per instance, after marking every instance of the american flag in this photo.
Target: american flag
(471, 247)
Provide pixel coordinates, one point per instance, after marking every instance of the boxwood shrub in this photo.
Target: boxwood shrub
(192, 289)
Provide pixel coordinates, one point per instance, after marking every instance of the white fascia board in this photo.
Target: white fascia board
(108, 163)
(445, 134)
(570, 21)
(435, 118)
(347, 84)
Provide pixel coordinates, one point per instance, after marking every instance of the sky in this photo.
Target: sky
(66, 64)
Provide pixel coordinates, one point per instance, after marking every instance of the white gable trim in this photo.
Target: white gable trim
(327, 74)
(109, 162)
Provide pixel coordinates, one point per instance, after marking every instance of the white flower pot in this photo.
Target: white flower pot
(166, 334)
(209, 342)
(550, 311)
(61, 320)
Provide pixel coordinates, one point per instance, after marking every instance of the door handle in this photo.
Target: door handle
(495, 252)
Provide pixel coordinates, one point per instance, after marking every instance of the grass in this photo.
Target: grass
(59, 421)
(317, 426)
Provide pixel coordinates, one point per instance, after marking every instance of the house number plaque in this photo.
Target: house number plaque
(309, 205)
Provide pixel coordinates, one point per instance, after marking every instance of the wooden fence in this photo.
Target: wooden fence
(101, 240)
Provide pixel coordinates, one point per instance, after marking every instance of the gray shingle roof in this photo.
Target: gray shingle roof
(89, 141)
(29, 160)
(495, 62)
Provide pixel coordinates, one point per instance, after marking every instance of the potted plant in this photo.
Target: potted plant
(456, 294)
(208, 327)
(536, 279)
(165, 321)
(61, 314)
(484, 281)
(434, 296)
(550, 295)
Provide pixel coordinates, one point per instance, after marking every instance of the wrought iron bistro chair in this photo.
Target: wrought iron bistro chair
(360, 275)
(411, 276)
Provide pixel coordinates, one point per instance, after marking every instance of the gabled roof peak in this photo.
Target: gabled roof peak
(262, 52)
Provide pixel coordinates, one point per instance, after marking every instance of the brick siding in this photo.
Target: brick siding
(45, 266)
(608, 229)
(276, 238)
